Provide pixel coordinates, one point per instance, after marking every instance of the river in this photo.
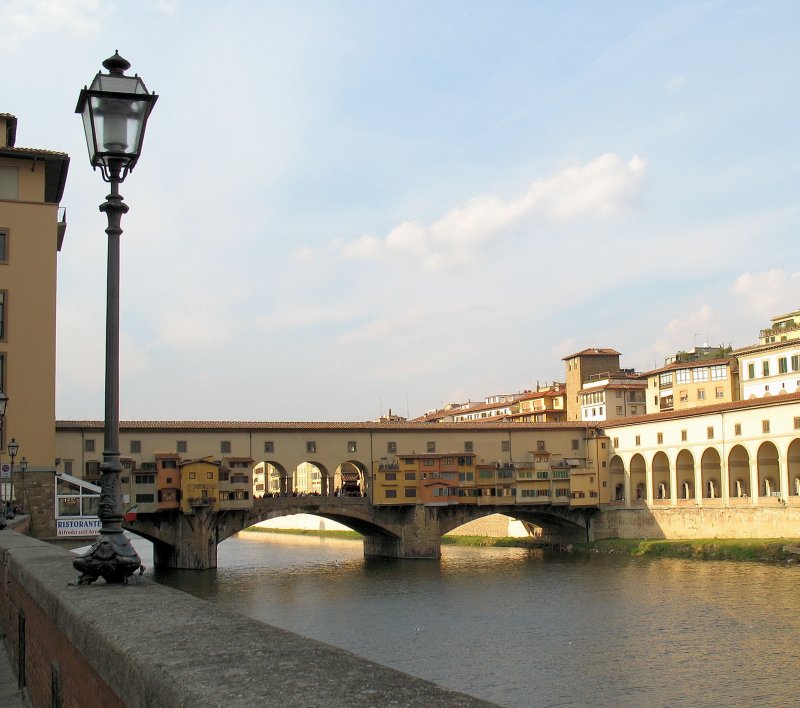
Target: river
(527, 628)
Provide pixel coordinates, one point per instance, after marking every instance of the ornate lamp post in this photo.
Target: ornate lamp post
(3, 404)
(115, 110)
(13, 449)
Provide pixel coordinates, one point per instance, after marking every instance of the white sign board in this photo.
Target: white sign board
(78, 526)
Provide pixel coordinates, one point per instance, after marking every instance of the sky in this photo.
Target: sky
(345, 207)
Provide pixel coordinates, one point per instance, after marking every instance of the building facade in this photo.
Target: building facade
(31, 234)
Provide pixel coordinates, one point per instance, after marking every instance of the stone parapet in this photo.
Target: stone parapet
(145, 644)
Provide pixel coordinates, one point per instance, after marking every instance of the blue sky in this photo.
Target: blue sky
(345, 207)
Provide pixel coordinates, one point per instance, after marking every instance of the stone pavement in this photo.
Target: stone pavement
(10, 695)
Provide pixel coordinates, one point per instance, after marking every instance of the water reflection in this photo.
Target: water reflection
(522, 627)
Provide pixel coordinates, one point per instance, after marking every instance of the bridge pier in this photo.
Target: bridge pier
(199, 553)
(419, 535)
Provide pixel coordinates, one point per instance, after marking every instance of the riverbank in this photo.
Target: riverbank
(763, 550)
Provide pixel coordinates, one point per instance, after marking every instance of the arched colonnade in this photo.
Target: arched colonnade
(761, 473)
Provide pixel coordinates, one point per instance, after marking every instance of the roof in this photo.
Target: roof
(56, 165)
(694, 364)
(594, 351)
(755, 348)
(263, 427)
(781, 399)
(614, 386)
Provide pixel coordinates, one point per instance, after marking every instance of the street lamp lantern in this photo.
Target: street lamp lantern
(23, 465)
(115, 110)
(13, 449)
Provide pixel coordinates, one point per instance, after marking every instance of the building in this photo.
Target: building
(610, 396)
(581, 366)
(32, 229)
(783, 328)
(545, 405)
(769, 369)
(688, 383)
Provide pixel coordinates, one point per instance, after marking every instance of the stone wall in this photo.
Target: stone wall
(145, 644)
(697, 523)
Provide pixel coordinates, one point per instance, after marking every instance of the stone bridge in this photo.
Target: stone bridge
(409, 531)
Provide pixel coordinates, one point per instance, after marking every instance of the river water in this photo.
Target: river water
(528, 628)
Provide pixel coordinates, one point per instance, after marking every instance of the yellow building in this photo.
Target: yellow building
(683, 385)
(199, 485)
(31, 233)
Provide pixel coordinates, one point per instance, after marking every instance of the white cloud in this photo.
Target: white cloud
(768, 294)
(600, 189)
(24, 18)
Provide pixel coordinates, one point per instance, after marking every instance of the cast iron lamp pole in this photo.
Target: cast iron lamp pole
(115, 110)
(3, 404)
(13, 449)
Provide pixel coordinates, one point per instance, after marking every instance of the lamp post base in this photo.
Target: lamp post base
(111, 557)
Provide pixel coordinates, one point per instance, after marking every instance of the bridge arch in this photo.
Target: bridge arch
(661, 477)
(793, 467)
(769, 478)
(711, 474)
(350, 479)
(739, 473)
(684, 475)
(638, 479)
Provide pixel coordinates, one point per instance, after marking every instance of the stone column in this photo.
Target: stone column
(673, 482)
(783, 476)
(627, 486)
(725, 481)
(754, 490)
(698, 481)
(648, 482)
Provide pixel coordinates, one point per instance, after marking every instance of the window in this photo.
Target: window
(505, 445)
(181, 446)
(751, 371)
(391, 447)
(192, 475)
(659, 438)
(2, 314)
(351, 446)
(431, 447)
(638, 439)
(145, 498)
(3, 246)
(619, 410)
(391, 494)
(311, 446)
(144, 478)
(209, 475)
(796, 427)
(88, 445)
(701, 394)
(410, 492)
(225, 446)
(737, 429)
(684, 396)
(684, 436)
(615, 442)
(700, 374)
(391, 476)
(427, 463)
(719, 373)
(575, 444)
(710, 432)
(410, 476)
(540, 445)
(796, 362)
(136, 446)
(468, 447)
(634, 410)
(9, 182)
(764, 426)
(783, 365)
(68, 465)
(682, 376)
(765, 367)
(665, 380)
(719, 392)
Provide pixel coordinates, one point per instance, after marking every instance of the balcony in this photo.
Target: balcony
(199, 502)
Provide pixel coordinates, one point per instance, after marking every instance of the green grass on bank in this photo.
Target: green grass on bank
(702, 549)
(756, 549)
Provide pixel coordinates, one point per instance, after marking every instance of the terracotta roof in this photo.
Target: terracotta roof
(594, 351)
(624, 386)
(753, 348)
(705, 410)
(696, 364)
(262, 426)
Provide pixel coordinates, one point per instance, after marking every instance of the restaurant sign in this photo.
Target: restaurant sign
(78, 526)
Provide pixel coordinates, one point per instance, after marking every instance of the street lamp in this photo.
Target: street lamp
(3, 404)
(115, 110)
(13, 449)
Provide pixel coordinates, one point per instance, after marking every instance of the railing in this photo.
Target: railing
(201, 501)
